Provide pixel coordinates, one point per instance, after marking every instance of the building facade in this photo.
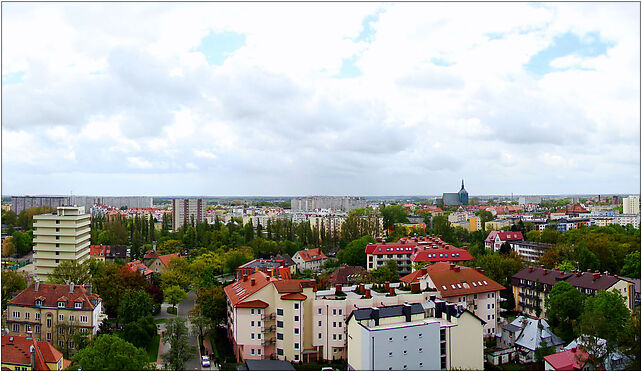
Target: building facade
(186, 211)
(529, 199)
(631, 205)
(312, 259)
(60, 236)
(530, 252)
(311, 203)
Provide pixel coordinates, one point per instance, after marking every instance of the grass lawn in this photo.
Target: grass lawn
(158, 321)
(152, 349)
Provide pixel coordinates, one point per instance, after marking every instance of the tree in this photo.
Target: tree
(543, 351)
(116, 231)
(71, 271)
(12, 282)
(393, 214)
(134, 305)
(169, 246)
(111, 353)
(630, 341)
(505, 248)
(563, 309)
(211, 303)
(631, 267)
(587, 260)
(441, 226)
(174, 294)
(140, 332)
(355, 252)
(200, 324)
(22, 242)
(386, 273)
(484, 217)
(499, 268)
(533, 236)
(8, 248)
(180, 350)
(565, 266)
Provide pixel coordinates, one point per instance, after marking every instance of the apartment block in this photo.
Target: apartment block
(433, 335)
(631, 205)
(186, 211)
(20, 203)
(530, 252)
(50, 311)
(529, 199)
(344, 203)
(60, 236)
(464, 286)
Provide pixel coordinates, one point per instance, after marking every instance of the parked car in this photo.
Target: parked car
(205, 361)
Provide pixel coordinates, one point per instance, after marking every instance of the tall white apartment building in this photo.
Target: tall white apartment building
(344, 203)
(60, 236)
(631, 205)
(184, 210)
(529, 199)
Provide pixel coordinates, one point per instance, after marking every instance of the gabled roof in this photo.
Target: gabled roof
(292, 286)
(285, 257)
(594, 281)
(568, 360)
(544, 276)
(534, 332)
(165, 259)
(150, 254)
(441, 255)
(340, 275)
(414, 276)
(17, 350)
(50, 293)
(138, 266)
(452, 280)
(510, 236)
(312, 254)
(243, 288)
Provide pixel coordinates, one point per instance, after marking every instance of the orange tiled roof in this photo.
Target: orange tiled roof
(97, 250)
(16, 350)
(292, 286)
(414, 276)
(51, 293)
(311, 254)
(165, 259)
(137, 265)
(294, 296)
(243, 288)
(452, 282)
(253, 304)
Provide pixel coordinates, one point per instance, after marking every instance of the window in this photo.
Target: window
(61, 343)
(61, 303)
(252, 336)
(279, 324)
(421, 349)
(488, 317)
(279, 351)
(252, 311)
(420, 335)
(57, 261)
(83, 319)
(334, 324)
(279, 336)
(57, 237)
(296, 331)
(296, 345)
(57, 245)
(488, 306)
(61, 317)
(258, 335)
(57, 229)
(405, 352)
(319, 323)
(319, 336)
(252, 324)
(296, 357)
(334, 336)
(252, 352)
(61, 330)
(258, 323)
(279, 311)
(340, 336)
(36, 329)
(296, 318)
(38, 303)
(27, 315)
(78, 305)
(390, 354)
(258, 311)
(296, 305)
(258, 351)
(319, 310)
(58, 222)
(16, 314)
(334, 311)
(48, 336)
(72, 318)
(16, 327)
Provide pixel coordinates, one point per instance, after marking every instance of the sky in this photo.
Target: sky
(282, 99)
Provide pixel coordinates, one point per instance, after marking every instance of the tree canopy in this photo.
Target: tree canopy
(12, 282)
(354, 253)
(180, 351)
(111, 353)
(564, 306)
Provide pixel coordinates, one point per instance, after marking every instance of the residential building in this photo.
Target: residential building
(347, 275)
(430, 336)
(566, 224)
(309, 258)
(24, 202)
(464, 286)
(532, 285)
(496, 224)
(615, 361)
(287, 262)
(525, 335)
(159, 263)
(529, 199)
(458, 198)
(273, 267)
(495, 239)
(630, 205)
(50, 311)
(139, 266)
(108, 252)
(635, 290)
(187, 211)
(20, 203)
(344, 203)
(530, 252)
(575, 359)
(267, 365)
(20, 353)
(628, 219)
(408, 252)
(60, 236)
(460, 216)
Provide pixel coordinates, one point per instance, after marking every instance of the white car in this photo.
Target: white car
(205, 361)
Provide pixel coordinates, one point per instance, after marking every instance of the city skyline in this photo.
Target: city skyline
(364, 99)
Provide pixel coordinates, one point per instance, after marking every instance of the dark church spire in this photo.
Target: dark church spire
(462, 183)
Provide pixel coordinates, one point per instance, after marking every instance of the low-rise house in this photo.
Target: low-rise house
(527, 335)
(287, 261)
(139, 266)
(615, 361)
(20, 353)
(346, 275)
(159, 263)
(464, 286)
(309, 258)
(575, 359)
(495, 239)
(429, 336)
(107, 252)
(531, 286)
(530, 252)
(271, 266)
(44, 311)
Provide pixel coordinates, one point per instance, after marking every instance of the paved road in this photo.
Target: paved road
(184, 307)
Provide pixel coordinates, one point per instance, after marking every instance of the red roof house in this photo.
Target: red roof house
(568, 360)
(17, 351)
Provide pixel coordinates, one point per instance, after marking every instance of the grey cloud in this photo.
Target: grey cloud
(436, 78)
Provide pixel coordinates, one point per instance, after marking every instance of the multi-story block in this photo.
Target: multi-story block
(572, 223)
(60, 236)
(408, 252)
(344, 203)
(628, 219)
(463, 286)
(631, 205)
(187, 210)
(421, 336)
(20, 203)
(495, 239)
(50, 311)
(529, 199)
(532, 285)
(21, 353)
(312, 259)
(497, 224)
(530, 252)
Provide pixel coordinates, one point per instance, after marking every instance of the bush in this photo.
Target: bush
(171, 310)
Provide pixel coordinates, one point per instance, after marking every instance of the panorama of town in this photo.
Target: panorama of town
(321, 283)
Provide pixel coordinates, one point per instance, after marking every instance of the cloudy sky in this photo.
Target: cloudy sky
(320, 98)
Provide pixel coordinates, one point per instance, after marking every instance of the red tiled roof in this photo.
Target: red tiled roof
(463, 282)
(150, 254)
(442, 255)
(568, 360)
(340, 275)
(311, 254)
(294, 296)
(253, 304)
(137, 265)
(17, 350)
(50, 293)
(510, 235)
(575, 208)
(97, 250)
(243, 288)
(414, 276)
(291, 286)
(408, 245)
(165, 259)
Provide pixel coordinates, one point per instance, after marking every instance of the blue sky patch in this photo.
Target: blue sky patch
(441, 62)
(349, 69)
(367, 32)
(218, 46)
(563, 45)
(495, 35)
(13, 77)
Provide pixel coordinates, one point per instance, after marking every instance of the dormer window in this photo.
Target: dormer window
(38, 302)
(61, 303)
(78, 305)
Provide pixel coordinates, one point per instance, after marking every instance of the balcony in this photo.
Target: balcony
(267, 317)
(268, 341)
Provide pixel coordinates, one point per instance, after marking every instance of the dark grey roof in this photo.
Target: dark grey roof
(386, 311)
(259, 264)
(268, 365)
(636, 282)
(533, 244)
(285, 257)
(511, 327)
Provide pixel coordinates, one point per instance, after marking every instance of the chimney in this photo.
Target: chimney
(530, 269)
(386, 286)
(541, 266)
(432, 298)
(392, 291)
(337, 288)
(578, 273)
(36, 285)
(480, 271)
(452, 266)
(406, 311)
(574, 350)
(362, 288)
(596, 276)
(32, 350)
(375, 315)
(253, 281)
(245, 277)
(545, 271)
(71, 287)
(367, 293)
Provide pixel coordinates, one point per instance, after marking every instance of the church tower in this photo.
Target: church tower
(463, 194)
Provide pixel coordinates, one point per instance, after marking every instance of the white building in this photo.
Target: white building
(529, 199)
(186, 210)
(631, 205)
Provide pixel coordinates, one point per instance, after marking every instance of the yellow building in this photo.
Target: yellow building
(496, 225)
(475, 224)
(60, 236)
(54, 312)
(21, 353)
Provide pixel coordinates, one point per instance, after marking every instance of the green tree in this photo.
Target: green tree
(8, 249)
(22, 242)
(12, 282)
(631, 267)
(180, 350)
(111, 353)
(533, 236)
(140, 332)
(134, 305)
(169, 246)
(499, 268)
(587, 259)
(174, 294)
(211, 303)
(386, 273)
(565, 266)
(630, 341)
(393, 214)
(543, 351)
(116, 231)
(71, 271)
(484, 217)
(355, 252)
(563, 308)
